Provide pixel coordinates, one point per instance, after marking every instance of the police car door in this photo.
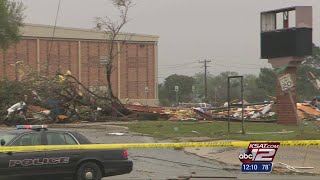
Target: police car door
(26, 163)
(64, 160)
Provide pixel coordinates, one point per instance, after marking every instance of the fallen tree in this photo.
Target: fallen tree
(62, 94)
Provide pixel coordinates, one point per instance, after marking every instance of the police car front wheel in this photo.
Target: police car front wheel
(89, 171)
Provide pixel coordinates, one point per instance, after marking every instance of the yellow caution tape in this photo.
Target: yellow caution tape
(153, 145)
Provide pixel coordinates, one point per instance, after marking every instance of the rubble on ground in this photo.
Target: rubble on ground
(169, 113)
(307, 111)
(254, 112)
(37, 112)
(64, 98)
(251, 111)
(57, 98)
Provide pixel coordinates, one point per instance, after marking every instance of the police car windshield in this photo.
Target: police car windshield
(7, 137)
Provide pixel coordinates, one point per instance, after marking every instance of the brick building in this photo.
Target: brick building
(83, 52)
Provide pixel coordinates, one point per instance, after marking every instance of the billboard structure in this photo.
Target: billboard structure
(286, 38)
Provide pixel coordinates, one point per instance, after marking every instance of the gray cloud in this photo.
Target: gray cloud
(226, 31)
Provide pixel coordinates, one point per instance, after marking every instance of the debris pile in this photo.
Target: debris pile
(62, 98)
(307, 111)
(142, 108)
(185, 114)
(168, 113)
(252, 112)
(56, 98)
(38, 112)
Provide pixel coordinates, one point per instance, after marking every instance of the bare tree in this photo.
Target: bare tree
(112, 29)
(11, 19)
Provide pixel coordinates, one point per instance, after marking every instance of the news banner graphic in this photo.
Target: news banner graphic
(258, 157)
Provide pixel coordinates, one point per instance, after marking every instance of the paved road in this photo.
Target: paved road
(159, 163)
(169, 163)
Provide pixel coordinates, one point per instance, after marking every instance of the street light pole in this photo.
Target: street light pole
(146, 91)
(176, 89)
(177, 98)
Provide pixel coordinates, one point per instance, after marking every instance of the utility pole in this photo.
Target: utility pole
(205, 76)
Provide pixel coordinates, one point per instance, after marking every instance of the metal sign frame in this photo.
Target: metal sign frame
(242, 112)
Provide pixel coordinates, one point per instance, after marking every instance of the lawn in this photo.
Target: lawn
(219, 131)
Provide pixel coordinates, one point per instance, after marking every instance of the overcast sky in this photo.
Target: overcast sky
(225, 31)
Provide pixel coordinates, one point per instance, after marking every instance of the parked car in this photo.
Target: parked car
(78, 164)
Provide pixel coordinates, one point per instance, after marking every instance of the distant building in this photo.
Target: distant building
(83, 52)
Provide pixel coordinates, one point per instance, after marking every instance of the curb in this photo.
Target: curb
(87, 126)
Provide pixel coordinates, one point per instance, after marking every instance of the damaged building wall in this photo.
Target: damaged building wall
(83, 53)
(284, 107)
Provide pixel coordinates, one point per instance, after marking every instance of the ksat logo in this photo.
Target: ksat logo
(259, 152)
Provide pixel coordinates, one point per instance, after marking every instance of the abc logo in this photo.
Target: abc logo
(245, 156)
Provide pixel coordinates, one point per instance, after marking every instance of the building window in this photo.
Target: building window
(104, 60)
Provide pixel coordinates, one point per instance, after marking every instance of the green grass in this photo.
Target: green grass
(218, 130)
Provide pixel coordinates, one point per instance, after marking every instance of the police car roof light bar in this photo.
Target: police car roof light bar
(31, 126)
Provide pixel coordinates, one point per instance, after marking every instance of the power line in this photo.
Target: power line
(245, 64)
(222, 65)
(224, 61)
(177, 69)
(179, 64)
(176, 66)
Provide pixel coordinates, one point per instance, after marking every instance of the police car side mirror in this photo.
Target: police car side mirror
(2, 142)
